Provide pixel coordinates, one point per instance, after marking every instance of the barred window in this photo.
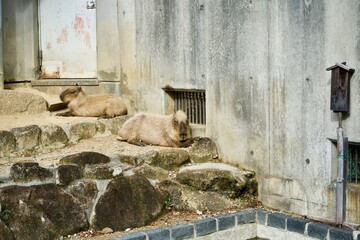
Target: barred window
(190, 101)
(353, 163)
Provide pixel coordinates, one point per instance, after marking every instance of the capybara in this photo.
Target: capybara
(146, 128)
(83, 105)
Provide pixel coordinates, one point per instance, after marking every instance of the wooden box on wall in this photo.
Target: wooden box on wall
(340, 87)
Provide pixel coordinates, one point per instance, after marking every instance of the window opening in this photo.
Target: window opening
(353, 163)
(190, 101)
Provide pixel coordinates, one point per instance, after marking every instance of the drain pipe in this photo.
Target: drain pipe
(340, 103)
(1, 51)
(340, 181)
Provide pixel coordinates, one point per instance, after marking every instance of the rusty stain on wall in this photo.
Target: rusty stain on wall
(55, 74)
(63, 37)
(80, 27)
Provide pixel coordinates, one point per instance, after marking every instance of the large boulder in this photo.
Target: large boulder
(85, 192)
(5, 232)
(216, 177)
(41, 212)
(128, 202)
(29, 104)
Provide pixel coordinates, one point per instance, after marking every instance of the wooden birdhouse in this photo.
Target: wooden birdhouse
(340, 87)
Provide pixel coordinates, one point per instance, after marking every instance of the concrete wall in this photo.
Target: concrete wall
(20, 39)
(1, 51)
(262, 64)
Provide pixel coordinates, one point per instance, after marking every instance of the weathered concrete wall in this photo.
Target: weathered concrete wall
(1, 51)
(20, 39)
(262, 64)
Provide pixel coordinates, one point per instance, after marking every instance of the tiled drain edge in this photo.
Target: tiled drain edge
(218, 223)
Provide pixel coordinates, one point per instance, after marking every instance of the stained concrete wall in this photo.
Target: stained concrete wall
(20, 40)
(1, 51)
(262, 64)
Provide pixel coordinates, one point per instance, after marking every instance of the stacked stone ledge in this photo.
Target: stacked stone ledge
(96, 184)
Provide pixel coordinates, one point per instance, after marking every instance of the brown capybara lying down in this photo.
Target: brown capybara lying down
(146, 128)
(83, 105)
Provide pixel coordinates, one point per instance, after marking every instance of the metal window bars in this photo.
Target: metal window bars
(353, 163)
(193, 103)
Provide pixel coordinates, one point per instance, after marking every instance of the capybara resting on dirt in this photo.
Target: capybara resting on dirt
(146, 128)
(83, 105)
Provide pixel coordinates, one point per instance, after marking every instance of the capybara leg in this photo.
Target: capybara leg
(138, 143)
(65, 114)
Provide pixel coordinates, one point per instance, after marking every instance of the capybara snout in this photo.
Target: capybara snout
(183, 133)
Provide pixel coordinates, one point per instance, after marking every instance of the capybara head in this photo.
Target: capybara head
(70, 94)
(181, 124)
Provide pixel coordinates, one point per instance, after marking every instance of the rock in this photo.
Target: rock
(68, 173)
(151, 172)
(171, 159)
(53, 136)
(27, 172)
(41, 212)
(100, 127)
(85, 192)
(85, 158)
(203, 150)
(181, 197)
(99, 172)
(27, 138)
(173, 192)
(216, 177)
(29, 104)
(5, 232)
(82, 130)
(114, 124)
(7, 143)
(128, 202)
(106, 230)
(139, 159)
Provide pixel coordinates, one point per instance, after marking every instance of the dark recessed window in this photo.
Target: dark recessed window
(190, 101)
(353, 163)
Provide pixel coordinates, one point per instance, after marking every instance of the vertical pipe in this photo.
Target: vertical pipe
(340, 185)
